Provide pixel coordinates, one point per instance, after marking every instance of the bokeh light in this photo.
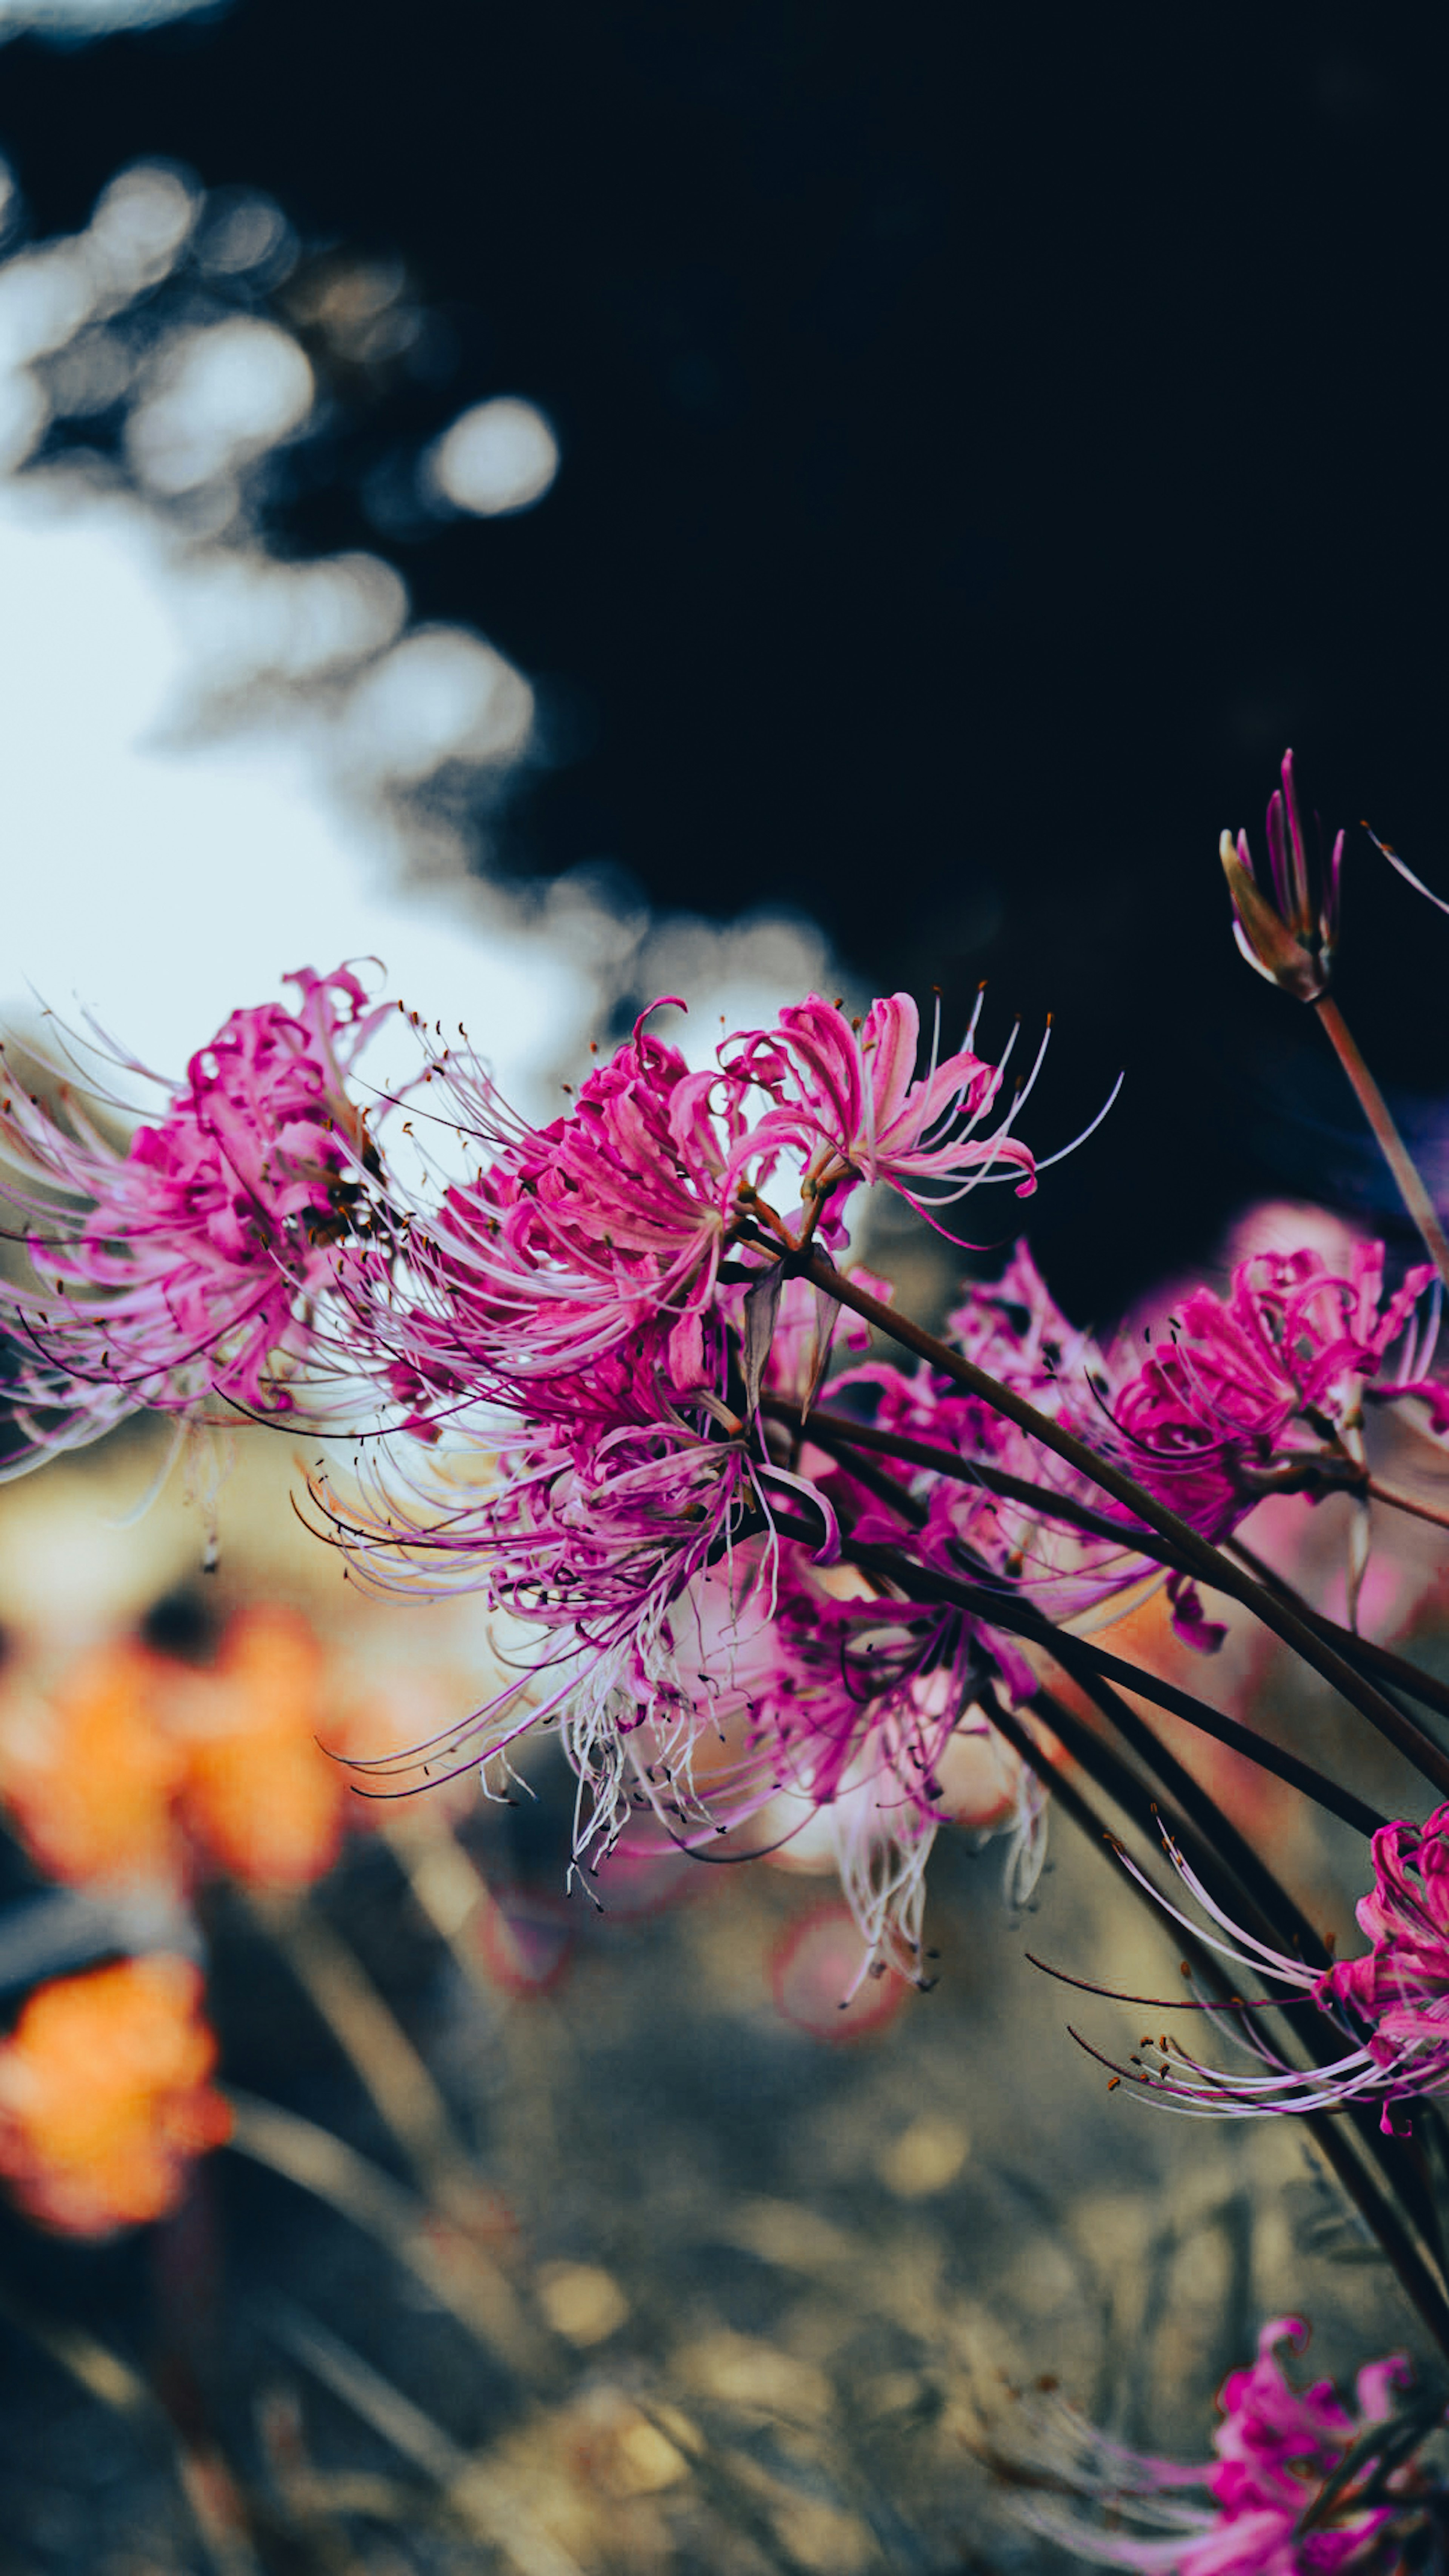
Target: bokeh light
(501, 456)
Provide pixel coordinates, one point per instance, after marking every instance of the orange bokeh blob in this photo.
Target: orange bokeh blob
(104, 2097)
(260, 1797)
(91, 1775)
(138, 1768)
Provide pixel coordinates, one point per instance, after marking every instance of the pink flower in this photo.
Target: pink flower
(1013, 1329)
(847, 1102)
(695, 1658)
(192, 1270)
(574, 1236)
(1388, 2011)
(842, 1707)
(1400, 1990)
(1277, 2447)
(591, 1525)
(1264, 1390)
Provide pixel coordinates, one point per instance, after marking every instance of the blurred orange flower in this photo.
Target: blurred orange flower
(91, 1774)
(142, 1768)
(260, 1797)
(104, 2096)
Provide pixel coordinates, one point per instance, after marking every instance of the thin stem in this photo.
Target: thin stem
(1402, 1502)
(1201, 1558)
(1042, 1499)
(1386, 1135)
(1398, 1669)
(1268, 1910)
(454, 2271)
(1227, 1731)
(1377, 2211)
(1275, 1916)
(1050, 1505)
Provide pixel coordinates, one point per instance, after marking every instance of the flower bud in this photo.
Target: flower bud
(1290, 935)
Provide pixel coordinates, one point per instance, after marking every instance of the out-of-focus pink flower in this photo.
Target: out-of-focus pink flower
(1264, 1390)
(1014, 1330)
(191, 1268)
(816, 1981)
(1271, 2513)
(1288, 930)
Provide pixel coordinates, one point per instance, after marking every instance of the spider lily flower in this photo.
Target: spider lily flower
(1264, 1391)
(575, 1236)
(846, 1101)
(1303, 2482)
(853, 1719)
(1388, 2011)
(1287, 930)
(186, 1268)
(693, 1659)
(104, 2096)
(586, 1533)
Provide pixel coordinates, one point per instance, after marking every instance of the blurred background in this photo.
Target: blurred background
(581, 502)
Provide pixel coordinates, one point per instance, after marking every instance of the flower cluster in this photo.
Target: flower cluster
(582, 1336)
(1301, 2484)
(596, 1358)
(607, 1231)
(1264, 1391)
(185, 1271)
